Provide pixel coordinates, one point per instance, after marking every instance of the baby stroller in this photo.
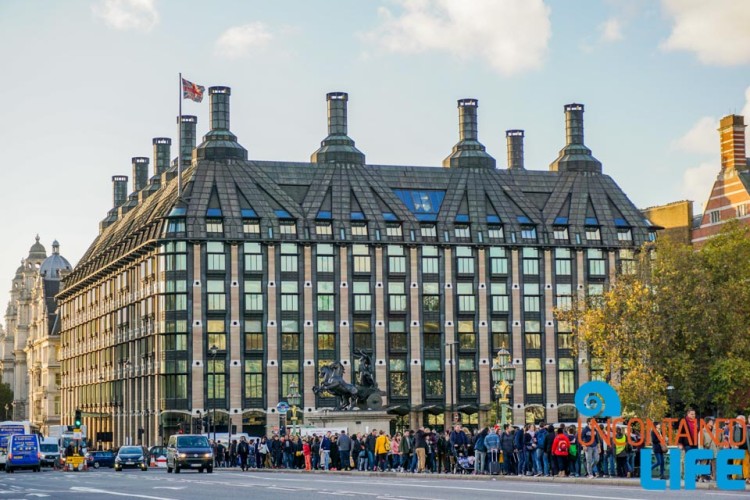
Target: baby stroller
(464, 465)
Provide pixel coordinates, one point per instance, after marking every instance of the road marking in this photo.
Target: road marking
(169, 487)
(105, 492)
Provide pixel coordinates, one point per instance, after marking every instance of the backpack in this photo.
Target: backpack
(563, 447)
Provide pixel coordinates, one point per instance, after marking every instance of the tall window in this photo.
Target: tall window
(564, 336)
(393, 230)
(499, 297)
(326, 297)
(597, 264)
(596, 369)
(176, 295)
(567, 375)
(217, 378)
(397, 338)
(362, 297)
(254, 335)
(325, 258)
(254, 388)
(533, 376)
(253, 257)
(398, 377)
(289, 257)
(289, 374)
(464, 260)
(253, 296)
(466, 299)
(289, 296)
(176, 225)
(396, 259)
(627, 261)
(396, 297)
(563, 262)
(362, 335)
(326, 339)
(530, 261)
(564, 296)
(500, 335)
(214, 226)
(217, 334)
(431, 297)
(532, 335)
(467, 377)
(433, 377)
(498, 261)
(467, 339)
(531, 297)
(216, 295)
(430, 260)
(362, 260)
(175, 258)
(215, 258)
(290, 336)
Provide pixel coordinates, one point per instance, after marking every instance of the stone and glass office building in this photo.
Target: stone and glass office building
(286, 266)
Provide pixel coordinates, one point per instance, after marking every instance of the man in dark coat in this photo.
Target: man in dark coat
(243, 450)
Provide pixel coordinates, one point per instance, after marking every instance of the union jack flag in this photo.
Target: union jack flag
(192, 91)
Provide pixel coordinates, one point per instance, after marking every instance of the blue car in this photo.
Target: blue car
(23, 453)
(98, 459)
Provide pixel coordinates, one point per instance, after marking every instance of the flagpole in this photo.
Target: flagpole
(179, 145)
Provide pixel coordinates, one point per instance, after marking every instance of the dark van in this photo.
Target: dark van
(189, 451)
(23, 453)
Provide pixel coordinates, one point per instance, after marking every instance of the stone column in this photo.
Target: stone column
(381, 343)
(198, 368)
(450, 336)
(519, 390)
(236, 397)
(485, 355)
(415, 339)
(345, 327)
(272, 368)
(583, 357)
(550, 364)
(309, 339)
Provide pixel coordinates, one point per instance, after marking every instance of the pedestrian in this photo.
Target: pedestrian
(574, 457)
(560, 451)
(335, 457)
(590, 441)
(356, 448)
(276, 452)
(659, 448)
(406, 451)
(420, 447)
(307, 452)
(233, 453)
(220, 454)
(345, 447)
(315, 448)
(325, 451)
(243, 450)
(382, 446)
(480, 451)
(709, 442)
(459, 442)
(690, 441)
(539, 438)
(621, 452)
(394, 455)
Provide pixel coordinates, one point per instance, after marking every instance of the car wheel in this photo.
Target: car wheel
(176, 469)
(210, 470)
(169, 469)
(96, 465)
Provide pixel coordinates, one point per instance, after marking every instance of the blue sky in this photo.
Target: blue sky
(87, 84)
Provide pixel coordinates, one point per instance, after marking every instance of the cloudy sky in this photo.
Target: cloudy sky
(87, 84)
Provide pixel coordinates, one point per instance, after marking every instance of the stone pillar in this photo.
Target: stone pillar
(550, 344)
(583, 357)
(236, 397)
(415, 339)
(272, 368)
(485, 356)
(381, 343)
(519, 414)
(450, 336)
(198, 368)
(309, 338)
(345, 327)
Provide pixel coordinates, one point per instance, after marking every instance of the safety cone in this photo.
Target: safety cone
(152, 463)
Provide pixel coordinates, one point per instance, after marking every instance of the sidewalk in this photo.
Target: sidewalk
(620, 481)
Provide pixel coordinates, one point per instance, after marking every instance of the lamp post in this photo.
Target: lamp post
(294, 398)
(452, 352)
(503, 376)
(213, 350)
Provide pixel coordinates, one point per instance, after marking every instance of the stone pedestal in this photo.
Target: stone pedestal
(354, 422)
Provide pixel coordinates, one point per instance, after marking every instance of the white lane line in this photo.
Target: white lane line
(105, 492)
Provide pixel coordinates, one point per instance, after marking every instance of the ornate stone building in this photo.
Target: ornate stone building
(29, 320)
(217, 294)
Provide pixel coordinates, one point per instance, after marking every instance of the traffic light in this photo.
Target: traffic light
(77, 421)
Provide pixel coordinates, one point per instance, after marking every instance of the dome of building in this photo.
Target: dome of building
(37, 251)
(55, 263)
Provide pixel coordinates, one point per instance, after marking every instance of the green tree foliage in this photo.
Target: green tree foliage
(682, 319)
(6, 398)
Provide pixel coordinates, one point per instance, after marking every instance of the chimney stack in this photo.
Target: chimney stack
(140, 172)
(162, 153)
(188, 139)
(468, 151)
(119, 189)
(219, 143)
(575, 156)
(514, 139)
(338, 147)
(732, 136)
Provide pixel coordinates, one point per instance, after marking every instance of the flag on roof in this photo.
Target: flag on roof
(192, 91)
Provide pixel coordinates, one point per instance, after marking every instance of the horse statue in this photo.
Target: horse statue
(332, 381)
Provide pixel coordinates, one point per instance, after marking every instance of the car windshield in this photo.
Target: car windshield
(192, 441)
(106, 454)
(49, 448)
(130, 450)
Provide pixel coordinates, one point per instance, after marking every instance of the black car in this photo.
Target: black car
(189, 451)
(98, 459)
(131, 456)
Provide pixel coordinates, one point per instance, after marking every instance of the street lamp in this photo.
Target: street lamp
(503, 376)
(213, 350)
(294, 398)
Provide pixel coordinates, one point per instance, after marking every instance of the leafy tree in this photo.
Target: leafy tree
(6, 398)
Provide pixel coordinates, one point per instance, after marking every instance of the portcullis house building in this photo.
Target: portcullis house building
(283, 267)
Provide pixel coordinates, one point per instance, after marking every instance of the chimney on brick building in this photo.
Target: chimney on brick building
(162, 152)
(140, 172)
(732, 136)
(219, 143)
(514, 139)
(337, 147)
(119, 190)
(575, 156)
(468, 151)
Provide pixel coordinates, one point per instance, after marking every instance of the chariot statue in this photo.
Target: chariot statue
(364, 394)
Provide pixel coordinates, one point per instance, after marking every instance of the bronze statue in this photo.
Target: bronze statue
(364, 395)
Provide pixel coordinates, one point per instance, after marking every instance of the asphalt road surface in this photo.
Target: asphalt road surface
(156, 484)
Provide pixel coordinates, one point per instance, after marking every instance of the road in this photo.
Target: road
(156, 484)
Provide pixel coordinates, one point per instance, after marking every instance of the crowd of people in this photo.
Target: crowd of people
(532, 450)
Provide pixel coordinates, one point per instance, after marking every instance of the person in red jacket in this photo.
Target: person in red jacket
(560, 450)
(307, 452)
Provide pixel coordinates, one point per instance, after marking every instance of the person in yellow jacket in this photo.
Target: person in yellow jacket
(621, 452)
(382, 447)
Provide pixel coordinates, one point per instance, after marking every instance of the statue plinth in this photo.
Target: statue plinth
(354, 421)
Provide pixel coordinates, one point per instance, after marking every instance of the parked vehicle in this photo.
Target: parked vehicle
(98, 459)
(189, 451)
(23, 453)
(7, 429)
(131, 456)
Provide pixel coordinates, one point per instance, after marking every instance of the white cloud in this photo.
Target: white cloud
(509, 35)
(697, 182)
(238, 41)
(702, 138)
(716, 31)
(611, 30)
(138, 15)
